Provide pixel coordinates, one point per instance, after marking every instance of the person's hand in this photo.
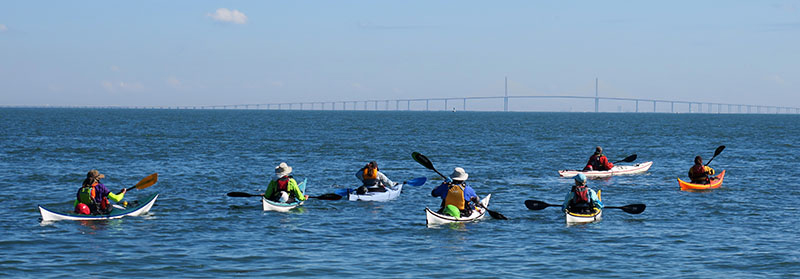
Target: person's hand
(123, 191)
(448, 179)
(306, 196)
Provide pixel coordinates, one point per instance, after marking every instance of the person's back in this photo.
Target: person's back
(598, 161)
(581, 198)
(95, 196)
(698, 173)
(372, 179)
(456, 195)
(283, 188)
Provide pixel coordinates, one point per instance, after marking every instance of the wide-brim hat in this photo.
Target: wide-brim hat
(95, 174)
(283, 169)
(459, 174)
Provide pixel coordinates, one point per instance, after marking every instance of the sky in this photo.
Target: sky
(171, 53)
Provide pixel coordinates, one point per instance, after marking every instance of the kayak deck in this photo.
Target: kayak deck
(616, 170)
(573, 218)
(142, 207)
(390, 194)
(716, 182)
(433, 218)
(269, 205)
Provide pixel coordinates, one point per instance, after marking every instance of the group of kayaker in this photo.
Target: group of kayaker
(458, 198)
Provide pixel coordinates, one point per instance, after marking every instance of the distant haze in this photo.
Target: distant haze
(171, 53)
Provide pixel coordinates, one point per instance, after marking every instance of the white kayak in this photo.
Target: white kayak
(140, 207)
(390, 194)
(434, 218)
(283, 207)
(573, 218)
(616, 170)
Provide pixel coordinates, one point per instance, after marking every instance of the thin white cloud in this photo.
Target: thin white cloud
(3, 28)
(114, 68)
(174, 82)
(114, 86)
(357, 85)
(225, 15)
(776, 79)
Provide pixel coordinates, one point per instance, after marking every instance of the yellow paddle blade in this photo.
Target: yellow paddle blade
(147, 181)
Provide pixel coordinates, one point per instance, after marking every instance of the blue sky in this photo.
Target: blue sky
(230, 52)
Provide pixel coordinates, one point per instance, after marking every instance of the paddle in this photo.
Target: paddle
(425, 162)
(330, 197)
(627, 159)
(145, 182)
(716, 152)
(631, 208)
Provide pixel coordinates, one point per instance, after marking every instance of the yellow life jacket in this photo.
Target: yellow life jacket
(370, 179)
(455, 196)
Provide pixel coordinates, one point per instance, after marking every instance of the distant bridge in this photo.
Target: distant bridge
(405, 104)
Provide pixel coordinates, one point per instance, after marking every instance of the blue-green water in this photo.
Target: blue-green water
(746, 228)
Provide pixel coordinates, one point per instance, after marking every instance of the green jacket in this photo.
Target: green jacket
(291, 187)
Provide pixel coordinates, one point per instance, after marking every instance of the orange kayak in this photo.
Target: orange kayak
(715, 183)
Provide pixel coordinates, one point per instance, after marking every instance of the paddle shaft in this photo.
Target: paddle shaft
(716, 152)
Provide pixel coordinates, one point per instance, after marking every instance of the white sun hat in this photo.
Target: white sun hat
(282, 170)
(459, 174)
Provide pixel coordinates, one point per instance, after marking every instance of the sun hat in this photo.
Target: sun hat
(459, 174)
(95, 174)
(283, 169)
(580, 178)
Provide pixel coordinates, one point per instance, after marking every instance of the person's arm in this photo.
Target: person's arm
(292, 187)
(270, 188)
(595, 199)
(709, 170)
(360, 174)
(116, 197)
(607, 163)
(437, 192)
(385, 180)
(566, 201)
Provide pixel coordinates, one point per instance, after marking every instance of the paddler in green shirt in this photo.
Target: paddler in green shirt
(283, 188)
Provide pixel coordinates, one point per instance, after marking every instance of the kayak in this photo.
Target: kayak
(616, 170)
(434, 218)
(138, 208)
(715, 183)
(573, 218)
(284, 207)
(390, 194)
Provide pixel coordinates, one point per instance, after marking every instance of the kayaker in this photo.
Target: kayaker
(283, 188)
(581, 198)
(456, 195)
(699, 173)
(372, 179)
(598, 161)
(93, 196)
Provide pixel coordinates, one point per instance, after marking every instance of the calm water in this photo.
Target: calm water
(747, 228)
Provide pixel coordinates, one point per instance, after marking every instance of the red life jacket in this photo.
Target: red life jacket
(283, 184)
(581, 194)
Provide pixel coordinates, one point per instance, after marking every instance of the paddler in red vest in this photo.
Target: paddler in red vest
(372, 179)
(93, 196)
(581, 198)
(283, 188)
(598, 161)
(699, 173)
(456, 195)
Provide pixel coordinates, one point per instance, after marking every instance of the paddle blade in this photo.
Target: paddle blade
(634, 208)
(328, 197)
(343, 192)
(629, 158)
(241, 195)
(417, 181)
(719, 150)
(422, 160)
(537, 205)
(496, 215)
(146, 182)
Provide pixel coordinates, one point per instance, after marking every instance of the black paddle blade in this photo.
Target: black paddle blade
(719, 150)
(634, 208)
(537, 205)
(422, 160)
(241, 195)
(328, 197)
(496, 215)
(630, 158)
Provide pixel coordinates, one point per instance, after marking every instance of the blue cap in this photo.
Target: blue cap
(580, 178)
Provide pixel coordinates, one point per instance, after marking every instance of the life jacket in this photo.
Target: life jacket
(455, 196)
(698, 173)
(595, 162)
(581, 195)
(370, 179)
(87, 195)
(283, 184)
